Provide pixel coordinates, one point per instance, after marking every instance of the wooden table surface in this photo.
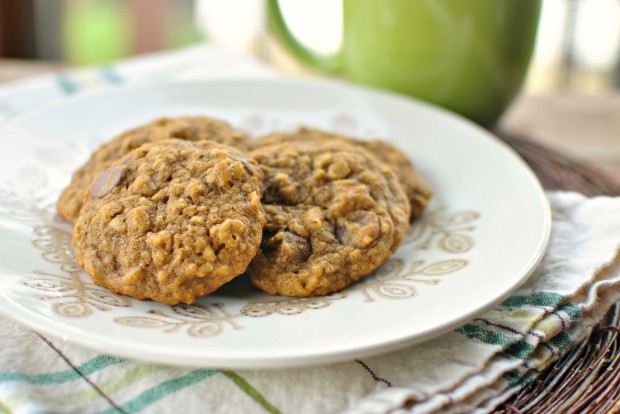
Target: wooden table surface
(585, 127)
(581, 126)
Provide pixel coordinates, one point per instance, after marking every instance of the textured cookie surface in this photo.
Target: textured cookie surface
(171, 221)
(418, 192)
(334, 214)
(196, 128)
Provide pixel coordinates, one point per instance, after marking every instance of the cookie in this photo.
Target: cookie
(334, 214)
(414, 185)
(418, 192)
(171, 221)
(196, 128)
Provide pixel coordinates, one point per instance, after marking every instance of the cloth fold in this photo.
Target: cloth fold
(471, 369)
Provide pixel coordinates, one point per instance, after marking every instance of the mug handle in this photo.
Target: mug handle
(275, 20)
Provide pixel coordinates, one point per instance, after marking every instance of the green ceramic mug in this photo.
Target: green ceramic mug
(470, 56)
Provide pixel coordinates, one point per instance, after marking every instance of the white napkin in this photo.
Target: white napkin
(567, 295)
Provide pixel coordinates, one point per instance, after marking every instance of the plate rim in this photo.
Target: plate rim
(47, 326)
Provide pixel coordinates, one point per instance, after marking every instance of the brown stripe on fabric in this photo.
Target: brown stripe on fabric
(530, 332)
(372, 373)
(543, 343)
(497, 325)
(556, 314)
(77, 370)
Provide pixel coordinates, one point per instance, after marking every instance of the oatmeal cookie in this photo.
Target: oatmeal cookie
(334, 214)
(195, 128)
(415, 187)
(171, 221)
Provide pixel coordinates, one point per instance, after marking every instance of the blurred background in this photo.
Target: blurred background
(577, 50)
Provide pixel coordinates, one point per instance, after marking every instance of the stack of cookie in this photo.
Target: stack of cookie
(172, 210)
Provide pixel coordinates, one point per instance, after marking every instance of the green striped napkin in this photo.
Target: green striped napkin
(472, 369)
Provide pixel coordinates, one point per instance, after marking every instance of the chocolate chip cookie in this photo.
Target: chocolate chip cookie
(195, 128)
(334, 214)
(171, 221)
(415, 187)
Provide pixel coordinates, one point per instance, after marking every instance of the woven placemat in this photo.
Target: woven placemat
(587, 379)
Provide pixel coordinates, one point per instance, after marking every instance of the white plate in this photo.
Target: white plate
(484, 232)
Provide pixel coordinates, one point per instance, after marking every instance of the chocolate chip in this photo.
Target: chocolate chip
(341, 233)
(288, 247)
(106, 181)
